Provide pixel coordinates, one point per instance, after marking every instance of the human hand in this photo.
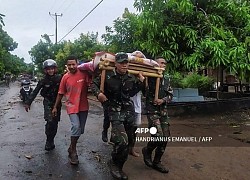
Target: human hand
(140, 76)
(66, 69)
(170, 98)
(159, 101)
(101, 97)
(54, 111)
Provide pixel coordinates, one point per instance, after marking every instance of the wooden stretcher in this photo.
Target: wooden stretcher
(136, 65)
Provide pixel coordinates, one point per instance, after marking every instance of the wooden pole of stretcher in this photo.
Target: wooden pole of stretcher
(157, 86)
(102, 80)
(103, 74)
(105, 67)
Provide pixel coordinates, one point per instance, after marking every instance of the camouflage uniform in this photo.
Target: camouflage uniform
(118, 90)
(157, 116)
(49, 86)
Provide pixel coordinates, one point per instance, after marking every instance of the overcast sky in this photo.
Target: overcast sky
(26, 20)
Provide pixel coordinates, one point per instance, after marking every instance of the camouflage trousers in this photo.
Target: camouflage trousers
(51, 125)
(122, 135)
(158, 117)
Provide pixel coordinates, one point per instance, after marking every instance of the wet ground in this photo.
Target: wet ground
(23, 157)
(22, 151)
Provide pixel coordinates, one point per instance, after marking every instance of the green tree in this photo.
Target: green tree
(200, 33)
(83, 48)
(121, 37)
(190, 33)
(8, 62)
(43, 50)
(86, 45)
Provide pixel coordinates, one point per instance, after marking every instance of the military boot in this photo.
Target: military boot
(49, 145)
(147, 157)
(123, 174)
(105, 136)
(114, 170)
(159, 167)
(50, 131)
(157, 163)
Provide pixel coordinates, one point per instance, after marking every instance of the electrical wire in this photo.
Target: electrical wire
(47, 19)
(61, 5)
(65, 9)
(82, 20)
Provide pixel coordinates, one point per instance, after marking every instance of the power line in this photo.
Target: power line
(71, 2)
(52, 6)
(50, 9)
(60, 6)
(82, 19)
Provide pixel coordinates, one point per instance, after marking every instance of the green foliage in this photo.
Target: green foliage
(189, 33)
(14, 64)
(203, 83)
(8, 62)
(83, 48)
(176, 80)
(121, 36)
(43, 50)
(194, 80)
(6, 41)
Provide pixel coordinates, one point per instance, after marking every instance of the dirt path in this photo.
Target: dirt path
(226, 156)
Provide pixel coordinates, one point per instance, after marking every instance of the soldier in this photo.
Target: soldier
(118, 88)
(157, 117)
(49, 86)
(106, 125)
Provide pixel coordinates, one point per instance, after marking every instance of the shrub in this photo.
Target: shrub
(194, 80)
(176, 79)
(203, 83)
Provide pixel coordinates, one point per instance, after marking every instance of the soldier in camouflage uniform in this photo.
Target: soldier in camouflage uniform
(157, 117)
(49, 88)
(118, 88)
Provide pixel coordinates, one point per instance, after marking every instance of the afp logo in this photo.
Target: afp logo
(151, 130)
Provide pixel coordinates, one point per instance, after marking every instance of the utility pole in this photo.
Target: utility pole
(56, 15)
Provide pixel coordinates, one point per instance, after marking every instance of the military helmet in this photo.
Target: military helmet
(49, 63)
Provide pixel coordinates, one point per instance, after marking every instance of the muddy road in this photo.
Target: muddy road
(23, 157)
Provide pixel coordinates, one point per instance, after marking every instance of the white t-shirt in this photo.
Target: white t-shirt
(137, 102)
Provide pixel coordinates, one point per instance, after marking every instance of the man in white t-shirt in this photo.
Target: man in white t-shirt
(137, 104)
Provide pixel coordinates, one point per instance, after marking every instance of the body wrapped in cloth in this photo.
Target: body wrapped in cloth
(106, 61)
(148, 67)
